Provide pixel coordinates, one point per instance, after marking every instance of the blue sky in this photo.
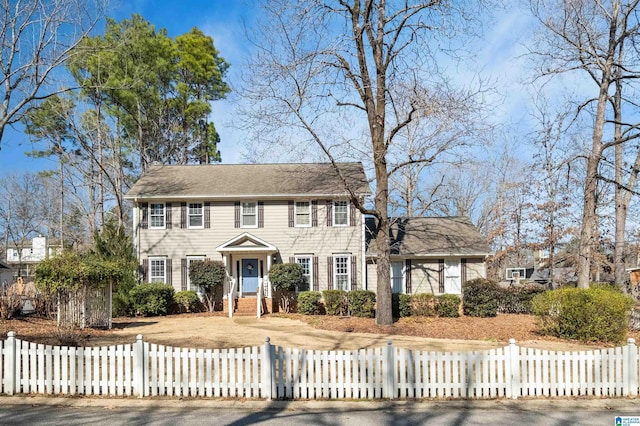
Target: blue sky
(223, 20)
(497, 59)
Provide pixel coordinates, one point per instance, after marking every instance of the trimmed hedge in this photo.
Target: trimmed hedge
(152, 299)
(335, 302)
(423, 305)
(480, 298)
(188, 301)
(517, 300)
(596, 314)
(309, 303)
(401, 305)
(448, 306)
(362, 303)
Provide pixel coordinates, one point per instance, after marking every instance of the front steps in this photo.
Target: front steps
(246, 306)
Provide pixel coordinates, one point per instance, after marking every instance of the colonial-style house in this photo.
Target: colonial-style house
(250, 216)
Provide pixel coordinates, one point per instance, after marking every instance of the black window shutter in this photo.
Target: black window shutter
(184, 273)
(167, 215)
(441, 275)
(260, 214)
(183, 215)
(237, 214)
(463, 270)
(291, 213)
(329, 213)
(407, 275)
(143, 270)
(330, 273)
(354, 273)
(207, 215)
(169, 271)
(316, 284)
(352, 214)
(144, 213)
(314, 213)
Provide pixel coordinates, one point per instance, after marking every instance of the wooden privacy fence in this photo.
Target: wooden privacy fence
(268, 371)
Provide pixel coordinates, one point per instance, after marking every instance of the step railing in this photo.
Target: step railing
(231, 299)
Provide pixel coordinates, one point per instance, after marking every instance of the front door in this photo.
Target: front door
(249, 276)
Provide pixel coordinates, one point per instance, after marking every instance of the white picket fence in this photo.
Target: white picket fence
(272, 372)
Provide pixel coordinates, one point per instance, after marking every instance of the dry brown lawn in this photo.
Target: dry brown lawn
(313, 332)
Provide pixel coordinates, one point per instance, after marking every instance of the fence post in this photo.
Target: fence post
(631, 379)
(138, 367)
(268, 365)
(388, 371)
(514, 369)
(10, 364)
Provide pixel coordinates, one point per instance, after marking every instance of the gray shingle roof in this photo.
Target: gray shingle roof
(430, 236)
(238, 180)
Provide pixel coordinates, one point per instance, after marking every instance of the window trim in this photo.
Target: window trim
(309, 257)
(346, 256)
(295, 214)
(335, 210)
(164, 215)
(189, 215)
(242, 214)
(164, 262)
(191, 258)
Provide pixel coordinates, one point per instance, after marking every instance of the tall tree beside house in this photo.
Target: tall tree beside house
(595, 39)
(322, 64)
(157, 89)
(37, 38)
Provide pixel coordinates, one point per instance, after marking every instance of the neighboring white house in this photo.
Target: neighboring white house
(24, 258)
(250, 216)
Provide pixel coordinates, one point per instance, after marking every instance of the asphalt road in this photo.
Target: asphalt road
(82, 411)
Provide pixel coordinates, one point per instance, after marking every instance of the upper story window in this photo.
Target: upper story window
(341, 272)
(157, 270)
(341, 213)
(303, 213)
(249, 215)
(156, 215)
(196, 217)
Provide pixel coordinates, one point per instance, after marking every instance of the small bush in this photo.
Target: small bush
(10, 301)
(401, 305)
(335, 302)
(480, 298)
(423, 305)
(309, 303)
(597, 314)
(188, 301)
(69, 336)
(362, 303)
(517, 300)
(448, 306)
(152, 299)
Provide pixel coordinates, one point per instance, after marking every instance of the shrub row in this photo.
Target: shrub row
(358, 303)
(154, 299)
(423, 304)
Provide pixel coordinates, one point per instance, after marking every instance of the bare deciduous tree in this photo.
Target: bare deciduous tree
(37, 37)
(324, 67)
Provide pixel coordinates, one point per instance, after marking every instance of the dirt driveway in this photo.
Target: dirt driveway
(222, 332)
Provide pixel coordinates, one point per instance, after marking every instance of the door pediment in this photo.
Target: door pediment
(246, 242)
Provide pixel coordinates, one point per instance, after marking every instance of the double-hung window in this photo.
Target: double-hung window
(249, 215)
(397, 277)
(303, 213)
(340, 213)
(156, 215)
(341, 272)
(196, 218)
(157, 270)
(305, 262)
